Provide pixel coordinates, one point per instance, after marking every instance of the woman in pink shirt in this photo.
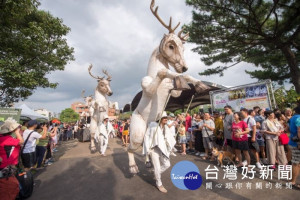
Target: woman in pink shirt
(240, 138)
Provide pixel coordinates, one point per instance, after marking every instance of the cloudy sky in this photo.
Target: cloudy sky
(117, 35)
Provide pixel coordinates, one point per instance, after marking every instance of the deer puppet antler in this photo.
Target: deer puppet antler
(169, 27)
(95, 77)
(108, 76)
(82, 93)
(184, 37)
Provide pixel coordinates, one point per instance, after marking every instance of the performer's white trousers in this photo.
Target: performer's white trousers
(160, 164)
(103, 144)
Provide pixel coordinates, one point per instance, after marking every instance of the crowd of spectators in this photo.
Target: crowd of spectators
(28, 147)
(254, 136)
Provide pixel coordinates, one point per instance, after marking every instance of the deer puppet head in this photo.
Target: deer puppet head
(88, 100)
(103, 84)
(171, 46)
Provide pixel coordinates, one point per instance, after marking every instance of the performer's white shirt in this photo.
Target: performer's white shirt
(172, 128)
(164, 142)
(104, 129)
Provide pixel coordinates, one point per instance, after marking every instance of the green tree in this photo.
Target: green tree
(285, 98)
(125, 115)
(262, 32)
(68, 115)
(32, 45)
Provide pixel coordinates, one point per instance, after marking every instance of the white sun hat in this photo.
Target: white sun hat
(159, 116)
(9, 125)
(105, 116)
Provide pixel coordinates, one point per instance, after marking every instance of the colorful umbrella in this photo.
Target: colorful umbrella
(56, 121)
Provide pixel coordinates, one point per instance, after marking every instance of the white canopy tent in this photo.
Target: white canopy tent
(27, 112)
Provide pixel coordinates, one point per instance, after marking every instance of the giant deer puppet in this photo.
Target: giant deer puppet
(100, 103)
(158, 83)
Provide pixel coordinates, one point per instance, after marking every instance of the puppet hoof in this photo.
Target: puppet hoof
(133, 169)
(93, 149)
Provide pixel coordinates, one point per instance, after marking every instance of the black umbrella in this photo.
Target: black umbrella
(126, 108)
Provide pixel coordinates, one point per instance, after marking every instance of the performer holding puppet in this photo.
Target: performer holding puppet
(158, 144)
(102, 133)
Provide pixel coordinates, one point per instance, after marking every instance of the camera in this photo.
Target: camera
(41, 125)
(258, 137)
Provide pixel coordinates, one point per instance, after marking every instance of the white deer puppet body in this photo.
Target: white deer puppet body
(157, 85)
(99, 105)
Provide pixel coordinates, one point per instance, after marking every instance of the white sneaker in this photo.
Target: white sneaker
(172, 154)
(197, 154)
(162, 189)
(258, 165)
(245, 162)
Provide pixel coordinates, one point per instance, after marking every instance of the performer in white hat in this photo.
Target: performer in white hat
(158, 143)
(104, 129)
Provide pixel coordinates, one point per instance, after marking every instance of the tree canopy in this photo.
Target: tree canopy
(262, 32)
(68, 115)
(286, 98)
(32, 45)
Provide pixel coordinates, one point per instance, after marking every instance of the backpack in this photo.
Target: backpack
(251, 132)
(26, 184)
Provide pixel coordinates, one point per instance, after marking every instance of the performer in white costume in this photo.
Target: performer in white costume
(104, 129)
(158, 143)
(172, 124)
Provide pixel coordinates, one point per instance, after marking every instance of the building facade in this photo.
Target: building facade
(79, 108)
(44, 112)
(83, 110)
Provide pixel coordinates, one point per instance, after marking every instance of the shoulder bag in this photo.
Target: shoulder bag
(211, 137)
(25, 178)
(283, 138)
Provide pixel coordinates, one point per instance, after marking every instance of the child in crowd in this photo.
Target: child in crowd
(182, 138)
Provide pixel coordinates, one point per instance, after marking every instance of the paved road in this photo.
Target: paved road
(78, 174)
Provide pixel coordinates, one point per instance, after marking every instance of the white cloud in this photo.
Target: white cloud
(119, 36)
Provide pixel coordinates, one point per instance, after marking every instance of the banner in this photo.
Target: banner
(10, 112)
(241, 97)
